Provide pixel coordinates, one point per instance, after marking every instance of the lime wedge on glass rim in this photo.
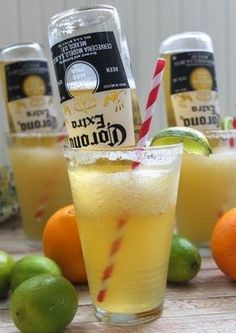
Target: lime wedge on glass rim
(227, 123)
(194, 141)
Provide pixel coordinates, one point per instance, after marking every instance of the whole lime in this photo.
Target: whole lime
(185, 260)
(43, 304)
(30, 266)
(6, 264)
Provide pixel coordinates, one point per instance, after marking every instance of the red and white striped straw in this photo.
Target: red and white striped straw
(43, 202)
(152, 98)
(149, 111)
(122, 222)
(234, 123)
(112, 259)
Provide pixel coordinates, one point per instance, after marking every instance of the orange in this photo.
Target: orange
(223, 243)
(61, 243)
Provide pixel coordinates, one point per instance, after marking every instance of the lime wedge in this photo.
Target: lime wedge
(194, 141)
(227, 123)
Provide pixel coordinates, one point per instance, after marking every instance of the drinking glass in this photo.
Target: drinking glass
(41, 178)
(125, 205)
(207, 187)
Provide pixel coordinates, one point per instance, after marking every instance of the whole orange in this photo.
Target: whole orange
(223, 243)
(61, 243)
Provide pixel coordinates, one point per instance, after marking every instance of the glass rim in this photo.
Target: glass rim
(177, 146)
(165, 155)
(220, 133)
(25, 135)
(160, 156)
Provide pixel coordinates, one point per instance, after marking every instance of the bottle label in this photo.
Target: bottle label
(94, 91)
(29, 96)
(194, 91)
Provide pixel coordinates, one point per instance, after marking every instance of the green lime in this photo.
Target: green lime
(30, 266)
(43, 304)
(193, 140)
(185, 260)
(6, 265)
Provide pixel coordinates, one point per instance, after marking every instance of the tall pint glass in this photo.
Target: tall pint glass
(125, 216)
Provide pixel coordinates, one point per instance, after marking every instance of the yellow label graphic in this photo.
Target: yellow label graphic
(100, 119)
(34, 85)
(201, 79)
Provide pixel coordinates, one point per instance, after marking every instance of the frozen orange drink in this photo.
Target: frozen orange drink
(41, 178)
(125, 218)
(207, 187)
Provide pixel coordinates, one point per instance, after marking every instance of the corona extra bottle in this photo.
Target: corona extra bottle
(96, 85)
(26, 88)
(190, 85)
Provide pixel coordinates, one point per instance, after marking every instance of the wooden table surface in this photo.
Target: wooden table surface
(206, 304)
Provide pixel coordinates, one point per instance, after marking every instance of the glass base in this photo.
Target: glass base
(128, 319)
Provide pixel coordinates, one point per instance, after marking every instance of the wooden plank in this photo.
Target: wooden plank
(216, 323)
(145, 50)
(207, 289)
(217, 12)
(178, 316)
(230, 52)
(10, 34)
(211, 324)
(49, 9)
(205, 304)
(85, 321)
(9, 22)
(30, 21)
(23, 20)
(196, 307)
(193, 15)
(167, 20)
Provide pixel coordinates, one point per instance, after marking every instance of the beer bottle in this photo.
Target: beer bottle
(26, 88)
(190, 85)
(96, 85)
